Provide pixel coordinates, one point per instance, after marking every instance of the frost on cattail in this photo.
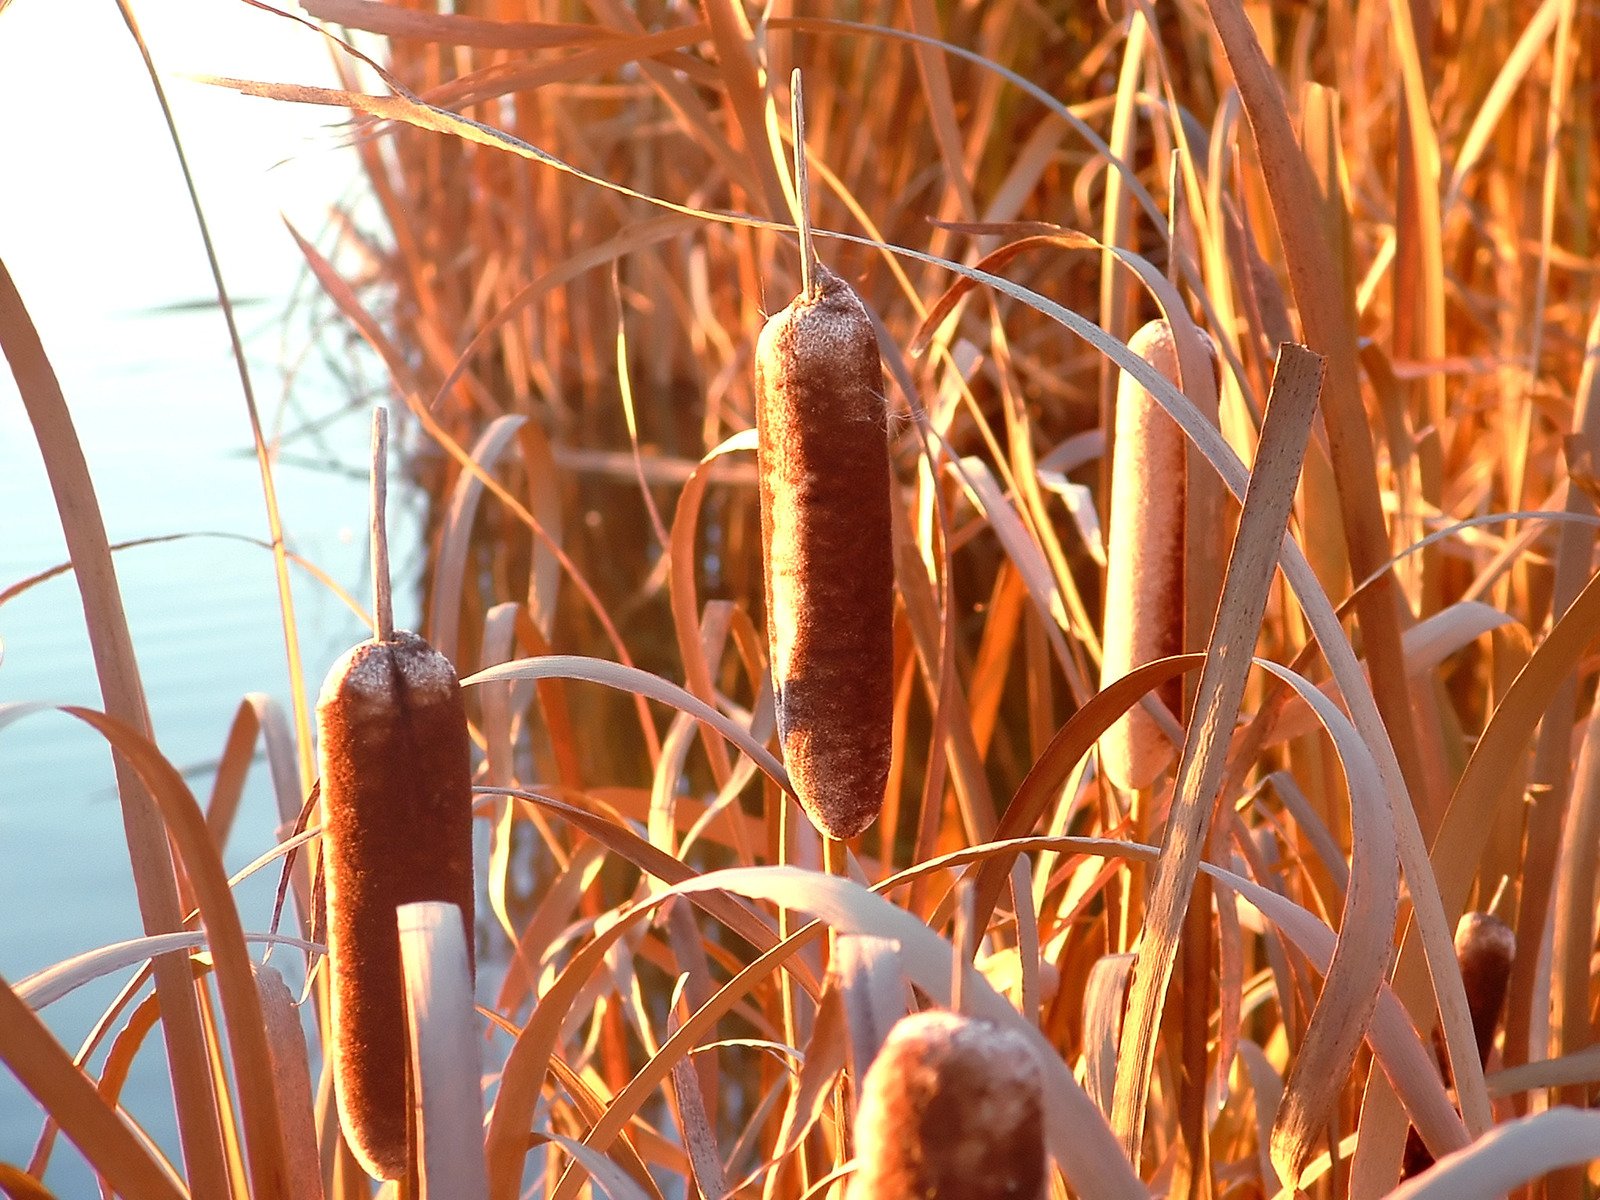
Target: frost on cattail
(822, 427)
(397, 804)
(1144, 603)
(951, 1108)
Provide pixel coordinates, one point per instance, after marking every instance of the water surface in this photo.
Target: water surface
(97, 232)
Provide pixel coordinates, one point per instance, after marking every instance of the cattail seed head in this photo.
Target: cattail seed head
(822, 428)
(952, 1108)
(1144, 604)
(1485, 948)
(397, 804)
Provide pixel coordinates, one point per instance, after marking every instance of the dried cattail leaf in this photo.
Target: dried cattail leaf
(952, 1107)
(822, 426)
(397, 793)
(291, 1083)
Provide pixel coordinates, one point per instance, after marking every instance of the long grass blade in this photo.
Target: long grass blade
(95, 1127)
(448, 1103)
(123, 693)
(1296, 388)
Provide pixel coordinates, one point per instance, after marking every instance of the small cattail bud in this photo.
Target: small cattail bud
(951, 1108)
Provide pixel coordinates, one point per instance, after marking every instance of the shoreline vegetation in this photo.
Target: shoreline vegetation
(1240, 391)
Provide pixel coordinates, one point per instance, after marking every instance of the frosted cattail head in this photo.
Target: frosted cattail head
(951, 1109)
(823, 454)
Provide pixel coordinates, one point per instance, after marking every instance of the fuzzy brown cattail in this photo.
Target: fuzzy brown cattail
(822, 427)
(1485, 948)
(951, 1107)
(1144, 602)
(397, 804)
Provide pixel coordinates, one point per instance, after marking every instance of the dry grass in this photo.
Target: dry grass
(582, 224)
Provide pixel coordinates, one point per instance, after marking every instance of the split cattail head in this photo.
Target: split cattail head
(822, 427)
(951, 1109)
(1144, 593)
(397, 828)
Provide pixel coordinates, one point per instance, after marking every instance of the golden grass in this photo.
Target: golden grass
(583, 221)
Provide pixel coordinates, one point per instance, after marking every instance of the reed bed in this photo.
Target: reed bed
(1231, 971)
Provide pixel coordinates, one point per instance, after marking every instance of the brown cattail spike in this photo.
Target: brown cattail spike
(822, 426)
(397, 803)
(1144, 556)
(951, 1108)
(1485, 946)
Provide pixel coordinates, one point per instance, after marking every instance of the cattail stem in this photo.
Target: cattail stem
(382, 596)
(802, 189)
(786, 854)
(834, 854)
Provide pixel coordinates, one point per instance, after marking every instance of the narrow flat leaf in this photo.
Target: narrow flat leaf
(448, 1097)
(1296, 387)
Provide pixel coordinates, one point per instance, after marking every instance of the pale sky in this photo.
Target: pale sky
(92, 208)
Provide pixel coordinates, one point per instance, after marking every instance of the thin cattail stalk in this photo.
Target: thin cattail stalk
(382, 594)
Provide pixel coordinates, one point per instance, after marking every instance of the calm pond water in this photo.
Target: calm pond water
(97, 232)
